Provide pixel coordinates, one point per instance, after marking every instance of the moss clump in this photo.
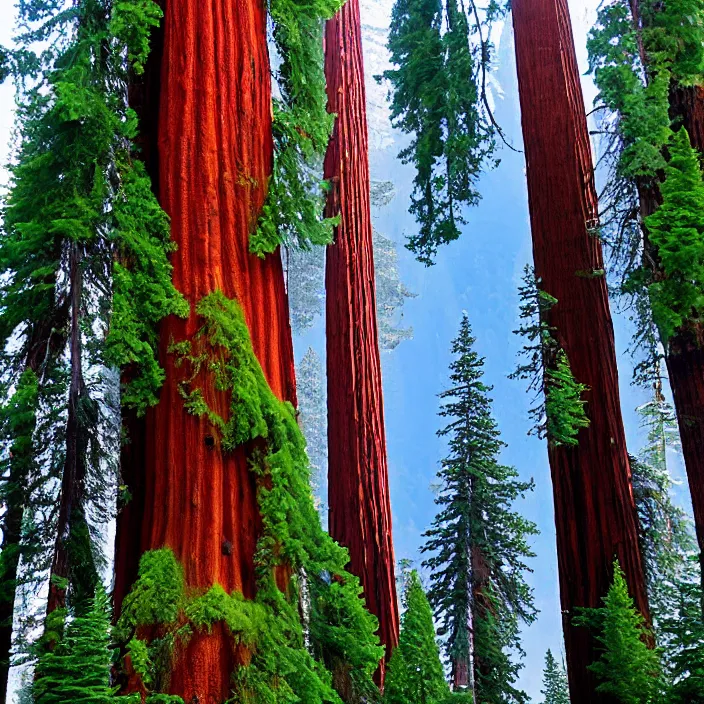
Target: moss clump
(157, 597)
(290, 660)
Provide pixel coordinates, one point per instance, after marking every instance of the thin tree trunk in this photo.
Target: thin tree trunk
(73, 558)
(360, 510)
(594, 507)
(214, 156)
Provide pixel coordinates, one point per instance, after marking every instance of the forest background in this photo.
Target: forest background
(480, 273)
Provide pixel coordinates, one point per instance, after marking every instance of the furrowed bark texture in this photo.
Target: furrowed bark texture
(360, 509)
(594, 507)
(684, 352)
(214, 159)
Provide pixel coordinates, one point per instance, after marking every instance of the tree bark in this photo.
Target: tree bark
(73, 558)
(360, 510)
(595, 515)
(214, 160)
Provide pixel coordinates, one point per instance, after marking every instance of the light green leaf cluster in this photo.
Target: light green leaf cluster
(677, 230)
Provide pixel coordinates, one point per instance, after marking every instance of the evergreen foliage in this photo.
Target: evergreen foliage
(628, 670)
(676, 229)
(478, 544)
(554, 682)
(391, 294)
(682, 632)
(665, 533)
(439, 96)
(77, 668)
(292, 213)
(559, 413)
(85, 277)
(415, 674)
(341, 631)
(639, 62)
(77, 184)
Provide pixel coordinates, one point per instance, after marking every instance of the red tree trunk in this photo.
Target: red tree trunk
(214, 160)
(360, 510)
(594, 508)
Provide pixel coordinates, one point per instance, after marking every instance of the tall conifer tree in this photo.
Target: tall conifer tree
(477, 541)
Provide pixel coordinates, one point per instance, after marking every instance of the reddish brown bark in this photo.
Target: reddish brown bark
(214, 159)
(360, 509)
(594, 508)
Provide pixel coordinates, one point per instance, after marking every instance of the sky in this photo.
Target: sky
(479, 274)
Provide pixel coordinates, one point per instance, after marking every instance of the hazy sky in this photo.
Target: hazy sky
(478, 274)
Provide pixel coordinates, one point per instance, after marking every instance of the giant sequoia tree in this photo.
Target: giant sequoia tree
(359, 504)
(227, 586)
(594, 508)
(648, 64)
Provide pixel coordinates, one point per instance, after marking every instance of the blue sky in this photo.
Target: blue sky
(479, 274)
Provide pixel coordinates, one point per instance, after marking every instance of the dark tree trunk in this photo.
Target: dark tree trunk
(595, 515)
(73, 558)
(214, 153)
(360, 510)
(684, 354)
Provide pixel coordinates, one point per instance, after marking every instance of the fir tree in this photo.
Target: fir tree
(77, 668)
(628, 669)
(478, 544)
(415, 673)
(554, 682)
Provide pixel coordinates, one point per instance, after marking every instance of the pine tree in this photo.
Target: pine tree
(415, 673)
(478, 544)
(628, 669)
(554, 682)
